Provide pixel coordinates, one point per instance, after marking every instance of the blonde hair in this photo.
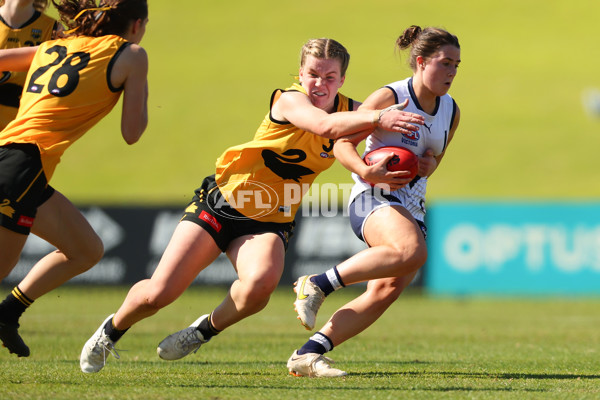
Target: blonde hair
(324, 48)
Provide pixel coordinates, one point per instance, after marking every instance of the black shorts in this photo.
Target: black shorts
(23, 186)
(209, 209)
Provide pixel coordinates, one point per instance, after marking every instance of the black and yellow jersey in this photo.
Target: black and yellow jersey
(38, 29)
(266, 178)
(67, 91)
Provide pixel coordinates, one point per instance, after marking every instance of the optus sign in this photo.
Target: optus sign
(512, 248)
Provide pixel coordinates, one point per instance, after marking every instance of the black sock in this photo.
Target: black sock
(207, 329)
(113, 333)
(323, 283)
(14, 305)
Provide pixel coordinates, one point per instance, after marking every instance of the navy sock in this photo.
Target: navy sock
(318, 343)
(328, 281)
(322, 281)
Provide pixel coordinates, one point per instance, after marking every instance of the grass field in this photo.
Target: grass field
(213, 66)
(422, 348)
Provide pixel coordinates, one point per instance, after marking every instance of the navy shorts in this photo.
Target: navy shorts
(368, 201)
(209, 209)
(23, 186)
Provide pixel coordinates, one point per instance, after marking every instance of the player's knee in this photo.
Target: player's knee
(156, 300)
(263, 284)
(262, 289)
(155, 303)
(270, 284)
(146, 296)
(92, 253)
(408, 257)
(385, 292)
(254, 295)
(419, 257)
(96, 251)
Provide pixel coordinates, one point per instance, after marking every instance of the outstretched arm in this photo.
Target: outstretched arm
(18, 59)
(296, 108)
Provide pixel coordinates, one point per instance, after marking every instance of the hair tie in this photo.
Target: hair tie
(90, 9)
(80, 13)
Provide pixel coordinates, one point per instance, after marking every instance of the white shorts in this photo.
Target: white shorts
(367, 202)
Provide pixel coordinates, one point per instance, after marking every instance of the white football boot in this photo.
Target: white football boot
(179, 344)
(309, 298)
(313, 365)
(95, 350)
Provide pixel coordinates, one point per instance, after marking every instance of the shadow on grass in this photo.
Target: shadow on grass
(483, 375)
(271, 368)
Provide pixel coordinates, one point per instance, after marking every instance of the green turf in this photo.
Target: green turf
(213, 65)
(422, 348)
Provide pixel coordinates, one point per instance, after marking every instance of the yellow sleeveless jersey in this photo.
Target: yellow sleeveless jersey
(67, 91)
(266, 178)
(35, 31)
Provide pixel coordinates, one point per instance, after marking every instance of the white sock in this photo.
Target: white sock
(334, 278)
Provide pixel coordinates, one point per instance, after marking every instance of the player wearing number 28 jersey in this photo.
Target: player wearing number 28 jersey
(71, 84)
(68, 78)
(22, 23)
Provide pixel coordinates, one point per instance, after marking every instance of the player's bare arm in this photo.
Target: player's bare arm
(131, 71)
(296, 108)
(18, 59)
(383, 99)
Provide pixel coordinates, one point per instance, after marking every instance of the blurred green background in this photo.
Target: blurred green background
(524, 133)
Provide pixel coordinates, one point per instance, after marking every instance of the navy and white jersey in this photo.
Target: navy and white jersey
(432, 135)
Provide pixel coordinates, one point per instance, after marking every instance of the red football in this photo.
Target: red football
(403, 160)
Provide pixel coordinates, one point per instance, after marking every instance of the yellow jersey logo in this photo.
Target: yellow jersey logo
(6, 209)
(191, 208)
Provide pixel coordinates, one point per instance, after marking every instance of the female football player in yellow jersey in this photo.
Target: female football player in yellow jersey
(391, 223)
(72, 83)
(22, 23)
(247, 208)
